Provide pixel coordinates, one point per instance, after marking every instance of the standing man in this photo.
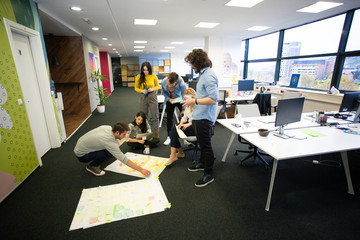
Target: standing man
(172, 87)
(100, 144)
(204, 114)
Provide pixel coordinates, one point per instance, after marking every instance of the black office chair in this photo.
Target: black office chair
(195, 146)
(250, 110)
(222, 103)
(263, 100)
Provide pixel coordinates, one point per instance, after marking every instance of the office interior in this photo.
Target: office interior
(63, 66)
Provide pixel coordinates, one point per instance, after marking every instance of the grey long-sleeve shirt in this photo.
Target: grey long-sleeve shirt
(99, 139)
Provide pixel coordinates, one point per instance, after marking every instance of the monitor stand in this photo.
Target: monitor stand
(281, 133)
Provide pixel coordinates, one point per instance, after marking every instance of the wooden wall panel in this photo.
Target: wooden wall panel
(68, 71)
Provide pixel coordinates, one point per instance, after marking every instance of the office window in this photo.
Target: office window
(264, 47)
(353, 43)
(314, 72)
(314, 38)
(262, 71)
(242, 51)
(350, 76)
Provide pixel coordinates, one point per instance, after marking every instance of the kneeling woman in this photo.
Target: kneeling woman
(138, 126)
(185, 125)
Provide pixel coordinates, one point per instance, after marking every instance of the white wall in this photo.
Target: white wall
(179, 65)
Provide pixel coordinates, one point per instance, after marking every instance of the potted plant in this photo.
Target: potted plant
(102, 93)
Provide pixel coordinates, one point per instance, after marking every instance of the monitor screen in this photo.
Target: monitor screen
(185, 78)
(289, 111)
(192, 84)
(245, 85)
(350, 102)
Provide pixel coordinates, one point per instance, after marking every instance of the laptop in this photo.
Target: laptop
(144, 136)
(267, 119)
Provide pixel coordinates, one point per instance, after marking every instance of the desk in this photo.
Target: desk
(334, 140)
(255, 124)
(161, 99)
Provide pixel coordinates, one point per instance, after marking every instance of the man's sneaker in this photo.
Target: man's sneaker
(147, 150)
(95, 170)
(204, 181)
(196, 167)
(167, 141)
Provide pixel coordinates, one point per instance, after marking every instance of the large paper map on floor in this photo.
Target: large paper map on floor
(152, 163)
(106, 204)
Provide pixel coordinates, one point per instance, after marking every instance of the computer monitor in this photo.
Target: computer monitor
(288, 111)
(185, 78)
(351, 102)
(246, 85)
(192, 84)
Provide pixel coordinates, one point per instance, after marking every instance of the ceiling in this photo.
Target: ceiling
(176, 21)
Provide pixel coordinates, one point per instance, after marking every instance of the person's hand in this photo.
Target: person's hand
(171, 100)
(144, 91)
(145, 172)
(182, 112)
(150, 139)
(188, 101)
(185, 126)
(180, 125)
(150, 90)
(141, 141)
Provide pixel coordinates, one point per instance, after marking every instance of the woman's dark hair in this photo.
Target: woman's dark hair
(120, 127)
(199, 59)
(142, 74)
(143, 126)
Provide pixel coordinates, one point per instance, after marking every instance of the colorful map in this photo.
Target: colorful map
(106, 204)
(152, 163)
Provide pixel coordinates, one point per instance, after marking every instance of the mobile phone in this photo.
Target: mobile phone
(236, 125)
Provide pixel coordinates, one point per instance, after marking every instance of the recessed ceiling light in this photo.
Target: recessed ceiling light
(206, 25)
(109, 44)
(104, 39)
(145, 21)
(177, 43)
(164, 50)
(114, 49)
(319, 7)
(139, 46)
(257, 28)
(95, 28)
(243, 3)
(170, 47)
(138, 50)
(76, 9)
(137, 41)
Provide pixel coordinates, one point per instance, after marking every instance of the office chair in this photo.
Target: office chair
(250, 110)
(263, 100)
(287, 95)
(222, 103)
(195, 148)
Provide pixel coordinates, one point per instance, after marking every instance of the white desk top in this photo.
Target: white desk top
(252, 124)
(160, 98)
(335, 140)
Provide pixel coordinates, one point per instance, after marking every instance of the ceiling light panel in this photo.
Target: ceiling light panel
(138, 41)
(145, 21)
(206, 25)
(319, 7)
(243, 3)
(258, 28)
(139, 46)
(76, 9)
(177, 43)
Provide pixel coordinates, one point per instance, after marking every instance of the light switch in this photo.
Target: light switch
(20, 102)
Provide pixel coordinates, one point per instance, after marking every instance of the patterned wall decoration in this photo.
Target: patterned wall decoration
(17, 149)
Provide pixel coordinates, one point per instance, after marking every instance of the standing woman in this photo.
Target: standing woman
(146, 83)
